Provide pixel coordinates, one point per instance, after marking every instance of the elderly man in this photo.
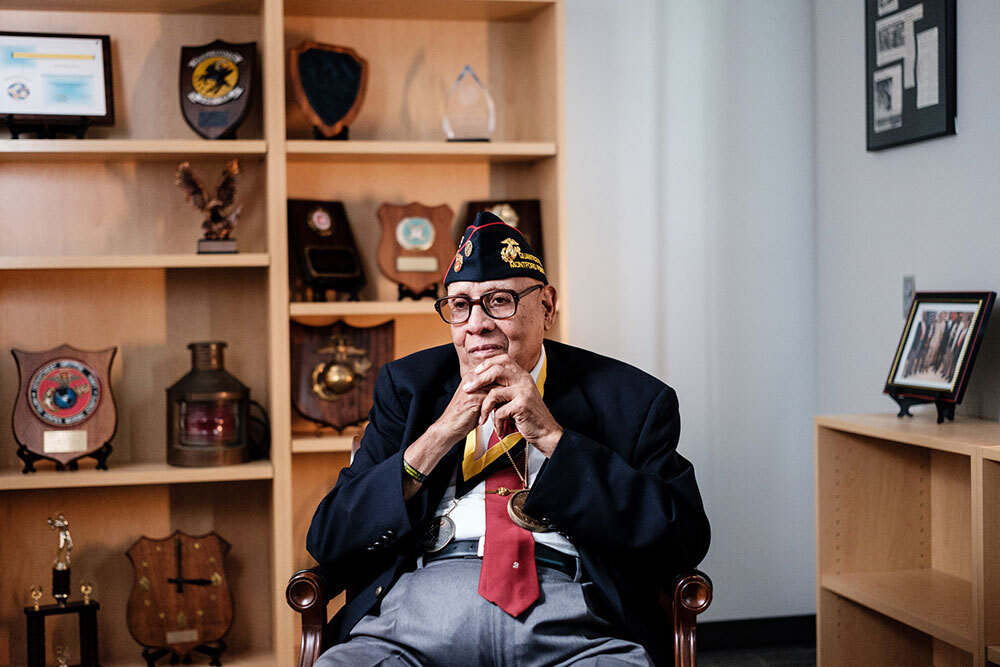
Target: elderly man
(514, 500)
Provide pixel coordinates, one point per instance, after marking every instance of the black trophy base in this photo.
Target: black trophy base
(340, 136)
(29, 457)
(213, 650)
(46, 130)
(87, 612)
(945, 409)
(217, 246)
(465, 141)
(405, 292)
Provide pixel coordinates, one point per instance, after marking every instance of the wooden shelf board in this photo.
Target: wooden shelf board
(141, 6)
(932, 602)
(422, 151)
(178, 261)
(251, 658)
(346, 308)
(76, 150)
(453, 10)
(993, 654)
(308, 444)
(132, 474)
(991, 453)
(961, 436)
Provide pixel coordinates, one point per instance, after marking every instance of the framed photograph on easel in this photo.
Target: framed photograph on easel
(935, 354)
(910, 56)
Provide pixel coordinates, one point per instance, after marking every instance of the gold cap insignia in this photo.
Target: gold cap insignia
(510, 251)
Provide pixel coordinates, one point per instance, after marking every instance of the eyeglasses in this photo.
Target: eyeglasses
(500, 304)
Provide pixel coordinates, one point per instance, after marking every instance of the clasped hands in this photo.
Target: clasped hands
(498, 385)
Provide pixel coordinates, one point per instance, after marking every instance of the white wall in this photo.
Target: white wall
(929, 209)
(691, 254)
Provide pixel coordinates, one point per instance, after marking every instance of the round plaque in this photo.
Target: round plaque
(415, 233)
(320, 221)
(64, 392)
(215, 79)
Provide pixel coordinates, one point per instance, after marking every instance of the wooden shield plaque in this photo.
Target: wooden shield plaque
(217, 86)
(180, 598)
(416, 246)
(334, 370)
(329, 84)
(64, 409)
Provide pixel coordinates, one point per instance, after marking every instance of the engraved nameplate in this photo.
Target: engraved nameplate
(64, 442)
(420, 264)
(181, 636)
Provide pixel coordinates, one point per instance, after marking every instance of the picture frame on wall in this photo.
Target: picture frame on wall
(938, 348)
(910, 83)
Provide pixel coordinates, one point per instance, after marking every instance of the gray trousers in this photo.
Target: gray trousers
(435, 616)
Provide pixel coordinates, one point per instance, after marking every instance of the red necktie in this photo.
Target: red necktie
(508, 577)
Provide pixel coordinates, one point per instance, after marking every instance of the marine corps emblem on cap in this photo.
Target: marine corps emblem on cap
(458, 262)
(510, 251)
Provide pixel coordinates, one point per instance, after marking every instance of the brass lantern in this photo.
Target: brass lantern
(207, 412)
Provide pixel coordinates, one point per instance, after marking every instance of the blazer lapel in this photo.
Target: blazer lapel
(563, 397)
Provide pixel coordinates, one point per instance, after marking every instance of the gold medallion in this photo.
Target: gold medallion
(515, 509)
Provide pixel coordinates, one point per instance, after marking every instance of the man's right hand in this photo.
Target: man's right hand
(458, 419)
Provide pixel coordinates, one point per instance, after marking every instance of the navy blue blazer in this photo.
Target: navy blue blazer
(615, 485)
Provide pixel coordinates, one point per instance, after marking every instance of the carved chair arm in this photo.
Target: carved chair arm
(692, 595)
(306, 594)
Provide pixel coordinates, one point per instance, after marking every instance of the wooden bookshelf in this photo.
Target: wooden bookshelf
(100, 251)
(906, 529)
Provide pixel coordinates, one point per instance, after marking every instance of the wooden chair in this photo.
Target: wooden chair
(692, 593)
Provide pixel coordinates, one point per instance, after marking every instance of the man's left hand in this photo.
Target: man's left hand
(513, 395)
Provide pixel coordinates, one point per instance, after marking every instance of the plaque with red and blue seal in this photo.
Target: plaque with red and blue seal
(64, 408)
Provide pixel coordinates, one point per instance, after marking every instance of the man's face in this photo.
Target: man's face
(520, 336)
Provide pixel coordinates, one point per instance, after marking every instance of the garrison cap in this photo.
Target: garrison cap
(491, 249)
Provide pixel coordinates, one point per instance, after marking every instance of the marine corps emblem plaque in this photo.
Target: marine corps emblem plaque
(64, 409)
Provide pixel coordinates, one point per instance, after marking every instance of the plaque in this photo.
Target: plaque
(524, 214)
(334, 370)
(219, 220)
(469, 114)
(329, 84)
(64, 409)
(180, 600)
(416, 247)
(217, 86)
(326, 257)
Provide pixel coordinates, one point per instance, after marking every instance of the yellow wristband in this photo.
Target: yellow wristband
(413, 472)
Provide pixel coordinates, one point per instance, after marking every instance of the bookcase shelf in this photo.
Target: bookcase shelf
(907, 524)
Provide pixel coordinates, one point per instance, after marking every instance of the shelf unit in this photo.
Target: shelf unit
(906, 529)
(100, 252)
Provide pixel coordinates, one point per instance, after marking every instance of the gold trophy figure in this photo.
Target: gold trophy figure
(60, 567)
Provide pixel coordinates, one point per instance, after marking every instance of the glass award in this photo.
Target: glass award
(469, 114)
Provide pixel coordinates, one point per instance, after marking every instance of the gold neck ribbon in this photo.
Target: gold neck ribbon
(478, 457)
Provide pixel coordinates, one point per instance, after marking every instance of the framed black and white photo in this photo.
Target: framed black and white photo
(56, 78)
(938, 347)
(910, 70)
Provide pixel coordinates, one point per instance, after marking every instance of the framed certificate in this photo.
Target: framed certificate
(56, 79)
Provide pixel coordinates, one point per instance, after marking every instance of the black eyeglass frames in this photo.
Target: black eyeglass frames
(500, 304)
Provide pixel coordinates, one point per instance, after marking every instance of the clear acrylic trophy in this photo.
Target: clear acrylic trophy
(469, 114)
